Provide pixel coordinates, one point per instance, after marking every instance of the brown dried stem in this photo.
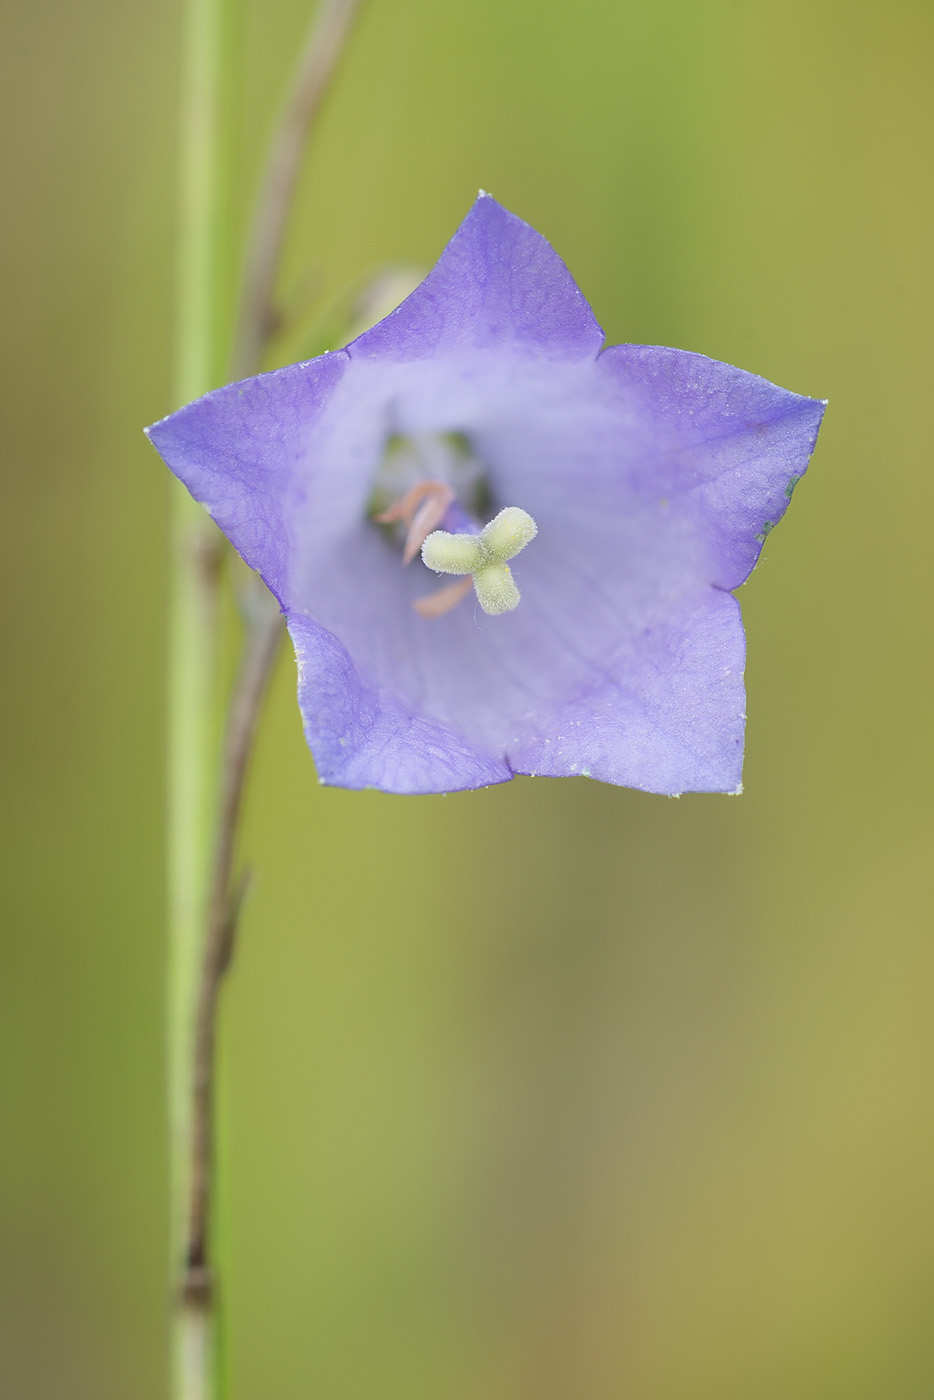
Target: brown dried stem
(258, 319)
(260, 646)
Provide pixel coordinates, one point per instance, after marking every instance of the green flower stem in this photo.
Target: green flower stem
(192, 699)
(206, 776)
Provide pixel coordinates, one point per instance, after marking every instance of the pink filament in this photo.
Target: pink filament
(423, 510)
(444, 599)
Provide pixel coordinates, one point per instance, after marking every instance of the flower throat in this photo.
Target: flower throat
(435, 479)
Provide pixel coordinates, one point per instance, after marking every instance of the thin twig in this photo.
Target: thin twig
(262, 623)
(261, 644)
(316, 67)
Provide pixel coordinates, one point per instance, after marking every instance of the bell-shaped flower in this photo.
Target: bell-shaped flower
(589, 511)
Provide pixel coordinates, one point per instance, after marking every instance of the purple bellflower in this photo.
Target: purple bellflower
(487, 405)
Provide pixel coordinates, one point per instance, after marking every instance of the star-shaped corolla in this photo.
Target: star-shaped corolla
(652, 476)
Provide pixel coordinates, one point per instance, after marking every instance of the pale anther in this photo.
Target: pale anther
(484, 556)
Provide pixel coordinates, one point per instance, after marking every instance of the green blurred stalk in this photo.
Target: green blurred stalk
(193, 718)
(206, 775)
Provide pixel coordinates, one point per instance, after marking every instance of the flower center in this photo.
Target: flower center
(483, 557)
(435, 479)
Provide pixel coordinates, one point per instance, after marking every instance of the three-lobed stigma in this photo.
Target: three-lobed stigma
(483, 557)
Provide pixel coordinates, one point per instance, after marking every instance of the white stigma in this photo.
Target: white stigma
(484, 557)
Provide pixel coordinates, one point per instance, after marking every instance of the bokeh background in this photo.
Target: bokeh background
(553, 1091)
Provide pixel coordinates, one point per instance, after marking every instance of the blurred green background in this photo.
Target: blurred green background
(553, 1091)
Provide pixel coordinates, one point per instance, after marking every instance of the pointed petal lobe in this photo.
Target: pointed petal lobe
(497, 285)
(363, 736)
(242, 452)
(726, 446)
